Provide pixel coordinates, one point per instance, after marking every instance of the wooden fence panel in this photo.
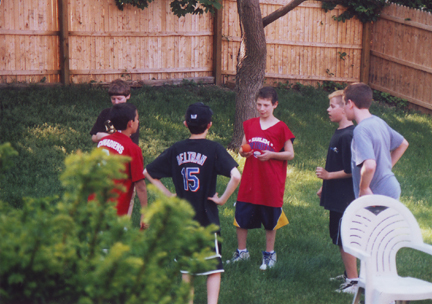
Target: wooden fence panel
(106, 43)
(307, 45)
(29, 43)
(400, 54)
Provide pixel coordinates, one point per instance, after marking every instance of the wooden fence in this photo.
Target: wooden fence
(307, 45)
(101, 43)
(401, 61)
(29, 41)
(82, 41)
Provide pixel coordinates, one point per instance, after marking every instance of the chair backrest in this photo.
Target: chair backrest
(374, 228)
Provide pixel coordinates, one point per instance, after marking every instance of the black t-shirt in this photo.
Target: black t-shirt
(337, 194)
(193, 165)
(99, 126)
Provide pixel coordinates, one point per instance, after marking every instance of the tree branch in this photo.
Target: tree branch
(287, 8)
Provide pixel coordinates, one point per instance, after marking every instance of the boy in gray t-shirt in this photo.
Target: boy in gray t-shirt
(375, 147)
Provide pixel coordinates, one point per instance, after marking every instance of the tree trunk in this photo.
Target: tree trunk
(251, 63)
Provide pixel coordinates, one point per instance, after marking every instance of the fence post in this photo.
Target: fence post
(64, 41)
(217, 47)
(365, 56)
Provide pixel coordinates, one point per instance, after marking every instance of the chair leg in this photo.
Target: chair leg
(357, 295)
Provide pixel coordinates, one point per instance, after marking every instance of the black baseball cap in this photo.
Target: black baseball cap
(198, 114)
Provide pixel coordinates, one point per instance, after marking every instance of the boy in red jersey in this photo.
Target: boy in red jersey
(260, 197)
(124, 118)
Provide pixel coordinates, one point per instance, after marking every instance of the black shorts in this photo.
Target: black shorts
(335, 227)
(217, 255)
(251, 216)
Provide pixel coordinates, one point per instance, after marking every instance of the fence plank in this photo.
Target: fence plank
(400, 62)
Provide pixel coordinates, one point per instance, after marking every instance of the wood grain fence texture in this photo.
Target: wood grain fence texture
(400, 62)
(29, 39)
(307, 45)
(106, 43)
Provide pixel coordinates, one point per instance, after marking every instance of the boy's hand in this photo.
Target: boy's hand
(366, 191)
(319, 192)
(143, 225)
(245, 154)
(265, 155)
(215, 198)
(322, 173)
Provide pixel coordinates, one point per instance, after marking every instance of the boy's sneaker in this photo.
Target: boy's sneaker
(341, 277)
(350, 286)
(269, 260)
(240, 256)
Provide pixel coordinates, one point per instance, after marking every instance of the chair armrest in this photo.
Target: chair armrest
(426, 248)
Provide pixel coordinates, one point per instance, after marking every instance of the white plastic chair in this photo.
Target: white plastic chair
(374, 228)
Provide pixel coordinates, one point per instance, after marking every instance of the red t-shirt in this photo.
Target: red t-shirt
(121, 144)
(263, 183)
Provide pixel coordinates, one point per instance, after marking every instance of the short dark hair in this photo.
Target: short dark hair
(268, 93)
(198, 116)
(120, 114)
(119, 87)
(360, 93)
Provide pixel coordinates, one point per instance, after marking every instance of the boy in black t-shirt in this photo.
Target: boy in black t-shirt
(119, 92)
(337, 190)
(193, 164)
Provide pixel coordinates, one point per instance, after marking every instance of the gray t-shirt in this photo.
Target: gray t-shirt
(374, 139)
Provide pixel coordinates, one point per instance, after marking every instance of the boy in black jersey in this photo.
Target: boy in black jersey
(337, 190)
(193, 164)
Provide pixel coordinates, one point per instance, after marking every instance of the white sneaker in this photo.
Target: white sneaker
(350, 286)
(341, 277)
(240, 256)
(269, 260)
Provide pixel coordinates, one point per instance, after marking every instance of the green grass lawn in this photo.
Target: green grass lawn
(46, 124)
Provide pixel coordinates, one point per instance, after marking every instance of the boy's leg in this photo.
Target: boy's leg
(270, 240)
(213, 286)
(350, 263)
(241, 238)
(187, 279)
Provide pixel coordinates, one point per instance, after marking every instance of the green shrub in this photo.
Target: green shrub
(71, 250)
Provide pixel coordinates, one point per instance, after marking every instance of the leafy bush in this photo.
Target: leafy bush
(69, 250)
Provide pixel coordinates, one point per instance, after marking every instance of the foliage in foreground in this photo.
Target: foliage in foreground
(69, 250)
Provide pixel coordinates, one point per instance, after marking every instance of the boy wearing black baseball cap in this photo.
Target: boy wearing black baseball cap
(193, 164)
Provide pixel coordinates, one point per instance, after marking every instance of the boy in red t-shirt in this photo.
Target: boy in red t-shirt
(124, 117)
(260, 197)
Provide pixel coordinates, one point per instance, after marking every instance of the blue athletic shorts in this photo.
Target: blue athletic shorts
(251, 216)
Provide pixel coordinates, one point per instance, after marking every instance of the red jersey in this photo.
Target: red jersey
(263, 183)
(121, 144)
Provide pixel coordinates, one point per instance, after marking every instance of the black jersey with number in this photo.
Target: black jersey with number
(337, 194)
(193, 165)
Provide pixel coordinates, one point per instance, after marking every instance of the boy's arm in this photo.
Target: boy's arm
(366, 174)
(324, 174)
(158, 184)
(141, 190)
(232, 185)
(397, 153)
(98, 136)
(287, 154)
